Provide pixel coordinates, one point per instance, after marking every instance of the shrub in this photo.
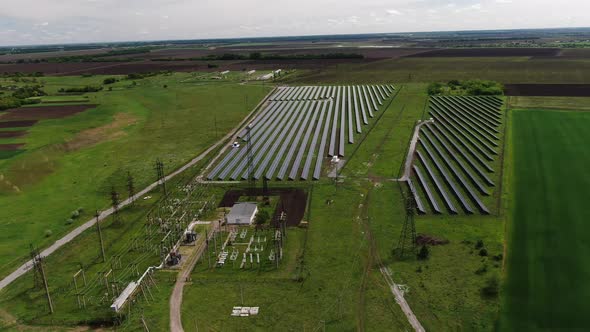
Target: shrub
(483, 252)
(69, 221)
(48, 233)
(482, 269)
(261, 217)
(498, 257)
(109, 80)
(479, 244)
(423, 253)
(75, 214)
(492, 287)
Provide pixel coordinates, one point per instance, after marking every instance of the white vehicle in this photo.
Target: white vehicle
(235, 145)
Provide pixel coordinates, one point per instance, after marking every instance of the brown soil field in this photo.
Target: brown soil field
(96, 135)
(9, 134)
(11, 147)
(43, 112)
(292, 201)
(553, 90)
(489, 52)
(49, 55)
(17, 124)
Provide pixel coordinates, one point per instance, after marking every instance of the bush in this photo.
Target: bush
(435, 89)
(48, 233)
(479, 244)
(483, 269)
(69, 221)
(75, 214)
(423, 253)
(261, 217)
(109, 80)
(492, 287)
(498, 257)
(483, 252)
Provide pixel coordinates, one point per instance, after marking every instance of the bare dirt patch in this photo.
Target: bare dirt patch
(43, 112)
(548, 90)
(11, 147)
(96, 135)
(10, 134)
(423, 239)
(17, 124)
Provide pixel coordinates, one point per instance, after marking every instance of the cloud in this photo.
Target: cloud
(96, 21)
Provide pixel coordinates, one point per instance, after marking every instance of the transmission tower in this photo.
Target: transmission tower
(160, 174)
(115, 203)
(407, 240)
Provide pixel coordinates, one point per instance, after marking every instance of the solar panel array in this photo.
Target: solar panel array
(451, 167)
(298, 127)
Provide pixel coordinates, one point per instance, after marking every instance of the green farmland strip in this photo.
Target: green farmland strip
(548, 268)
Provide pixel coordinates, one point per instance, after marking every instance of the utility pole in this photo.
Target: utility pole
(160, 174)
(131, 187)
(38, 264)
(100, 236)
(115, 203)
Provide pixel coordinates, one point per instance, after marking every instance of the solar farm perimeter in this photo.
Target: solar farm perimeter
(298, 127)
(453, 164)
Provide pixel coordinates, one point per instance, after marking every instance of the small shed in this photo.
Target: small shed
(242, 214)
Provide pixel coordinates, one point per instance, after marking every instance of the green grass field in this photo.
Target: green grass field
(132, 126)
(547, 267)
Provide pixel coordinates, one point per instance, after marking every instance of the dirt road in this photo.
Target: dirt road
(181, 280)
(413, 143)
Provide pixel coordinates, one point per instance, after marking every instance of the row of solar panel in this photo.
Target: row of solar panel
(455, 151)
(287, 135)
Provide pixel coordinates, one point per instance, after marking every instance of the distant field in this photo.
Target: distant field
(502, 69)
(547, 266)
(553, 103)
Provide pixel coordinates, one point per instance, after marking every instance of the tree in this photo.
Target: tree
(255, 56)
(261, 217)
(423, 253)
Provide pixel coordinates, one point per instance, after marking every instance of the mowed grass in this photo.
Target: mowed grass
(547, 266)
(132, 126)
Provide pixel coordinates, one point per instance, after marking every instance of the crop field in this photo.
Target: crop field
(298, 126)
(451, 170)
(547, 266)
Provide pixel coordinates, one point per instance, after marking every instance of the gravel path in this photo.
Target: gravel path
(413, 143)
(181, 280)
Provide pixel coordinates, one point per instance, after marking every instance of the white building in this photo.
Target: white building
(242, 214)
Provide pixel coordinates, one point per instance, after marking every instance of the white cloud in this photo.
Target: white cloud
(96, 20)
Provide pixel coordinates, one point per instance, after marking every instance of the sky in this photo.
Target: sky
(29, 22)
